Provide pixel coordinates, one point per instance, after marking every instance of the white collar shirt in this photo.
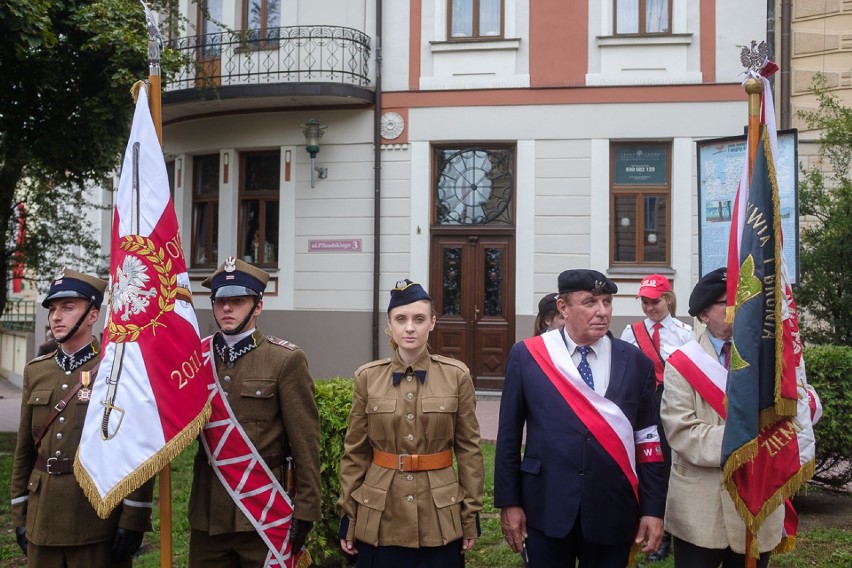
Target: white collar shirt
(673, 335)
(599, 359)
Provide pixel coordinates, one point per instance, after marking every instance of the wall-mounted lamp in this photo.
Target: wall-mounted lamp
(625, 221)
(313, 131)
(226, 158)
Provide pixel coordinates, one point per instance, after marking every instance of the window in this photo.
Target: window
(643, 16)
(640, 204)
(261, 20)
(475, 19)
(474, 186)
(210, 16)
(205, 210)
(260, 173)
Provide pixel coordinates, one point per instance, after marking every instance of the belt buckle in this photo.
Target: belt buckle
(401, 460)
(48, 465)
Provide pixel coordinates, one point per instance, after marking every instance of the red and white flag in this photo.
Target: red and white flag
(150, 397)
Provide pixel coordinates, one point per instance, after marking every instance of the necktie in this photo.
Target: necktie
(584, 368)
(726, 353)
(655, 337)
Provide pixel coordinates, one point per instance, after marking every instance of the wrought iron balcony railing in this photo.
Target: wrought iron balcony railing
(276, 55)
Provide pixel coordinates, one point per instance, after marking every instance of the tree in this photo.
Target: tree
(65, 110)
(825, 196)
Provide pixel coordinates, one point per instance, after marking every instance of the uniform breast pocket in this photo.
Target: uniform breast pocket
(439, 415)
(257, 400)
(40, 402)
(380, 413)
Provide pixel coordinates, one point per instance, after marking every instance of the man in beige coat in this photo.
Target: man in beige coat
(700, 514)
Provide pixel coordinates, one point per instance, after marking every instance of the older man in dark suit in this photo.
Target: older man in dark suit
(590, 482)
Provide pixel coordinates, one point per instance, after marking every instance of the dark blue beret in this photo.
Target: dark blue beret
(406, 292)
(581, 279)
(709, 289)
(236, 278)
(72, 284)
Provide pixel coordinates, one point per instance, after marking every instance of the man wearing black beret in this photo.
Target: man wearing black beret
(700, 515)
(590, 481)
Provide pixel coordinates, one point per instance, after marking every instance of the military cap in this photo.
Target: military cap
(653, 286)
(581, 279)
(236, 278)
(406, 292)
(709, 289)
(72, 284)
(547, 304)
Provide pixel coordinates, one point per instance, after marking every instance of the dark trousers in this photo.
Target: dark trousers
(687, 555)
(94, 555)
(545, 552)
(229, 550)
(447, 556)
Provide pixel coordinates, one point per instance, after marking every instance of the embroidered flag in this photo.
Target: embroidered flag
(150, 398)
(768, 445)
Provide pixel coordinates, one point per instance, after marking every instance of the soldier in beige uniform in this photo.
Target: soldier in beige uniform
(55, 524)
(401, 502)
(271, 393)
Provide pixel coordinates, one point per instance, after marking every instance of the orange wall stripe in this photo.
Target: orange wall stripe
(708, 40)
(414, 37)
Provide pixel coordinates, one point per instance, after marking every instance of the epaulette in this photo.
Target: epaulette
(371, 364)
(682, 324)
(450, 361)
(45, 356)
(281, 342)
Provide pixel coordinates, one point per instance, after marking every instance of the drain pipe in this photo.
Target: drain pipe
(377, 178)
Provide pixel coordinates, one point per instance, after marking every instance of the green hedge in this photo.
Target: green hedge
(334, 399)
(829, 369)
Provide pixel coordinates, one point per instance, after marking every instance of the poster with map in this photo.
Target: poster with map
(720, 163)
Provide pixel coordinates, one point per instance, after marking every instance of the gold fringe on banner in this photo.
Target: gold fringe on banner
(134, 90)
(144, 472)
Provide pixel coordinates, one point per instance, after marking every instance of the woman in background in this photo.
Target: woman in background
(401, 503)
(548, 316)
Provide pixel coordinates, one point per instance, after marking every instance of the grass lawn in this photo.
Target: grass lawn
(826, 547)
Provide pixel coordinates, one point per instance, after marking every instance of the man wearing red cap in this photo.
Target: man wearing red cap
(658, 336)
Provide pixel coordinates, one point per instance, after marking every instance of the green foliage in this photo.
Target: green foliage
(825, 196)
(65, 111)
(334, 399)
(830, 373)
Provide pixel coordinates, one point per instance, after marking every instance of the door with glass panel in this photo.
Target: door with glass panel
(472, 268)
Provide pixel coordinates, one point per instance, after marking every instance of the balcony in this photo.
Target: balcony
(278, 67)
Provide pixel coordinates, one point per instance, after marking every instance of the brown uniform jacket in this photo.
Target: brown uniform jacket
(272, 395)
(386, 507)
(53, 507)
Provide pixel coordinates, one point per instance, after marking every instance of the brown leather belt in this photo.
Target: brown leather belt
(54, 466)
(413, 462)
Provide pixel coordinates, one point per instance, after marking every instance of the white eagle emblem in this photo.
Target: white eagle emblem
(128, 289)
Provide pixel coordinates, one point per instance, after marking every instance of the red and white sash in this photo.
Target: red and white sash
(246, 477)
(643, 340)
(703, 372)
(601, 416)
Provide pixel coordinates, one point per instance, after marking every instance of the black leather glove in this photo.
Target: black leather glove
(125, 544)
(299, 533)
(21, 537)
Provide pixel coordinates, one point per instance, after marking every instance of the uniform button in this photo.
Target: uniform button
(58, 454)
(410, 396)
(375, 408)
(408, 378)
(441, 407)
(410, 498)
(230, 365)
(37, 399)
(453, 500)
(64, 387)
(59, 435)
(409, 477)
(227, 378)
(257, 393)
(409, 416)
(410, 437)
(366, 500)
(62, 420)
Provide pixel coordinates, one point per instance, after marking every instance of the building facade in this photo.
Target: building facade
(477, 146)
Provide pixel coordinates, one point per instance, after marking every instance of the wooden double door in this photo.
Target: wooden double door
(472, 286)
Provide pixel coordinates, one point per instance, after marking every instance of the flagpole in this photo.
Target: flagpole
(754, 88)
(155, 42)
